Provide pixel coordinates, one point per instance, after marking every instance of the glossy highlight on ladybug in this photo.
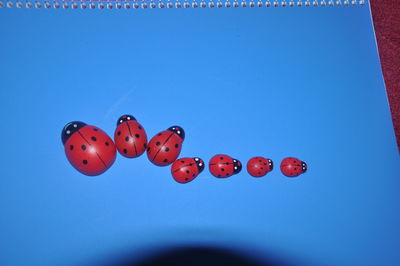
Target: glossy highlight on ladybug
(259, 166)
(89, 149)
(186, 169)
(223, 166)
(292, 167)
(165, 147)
(130, 137)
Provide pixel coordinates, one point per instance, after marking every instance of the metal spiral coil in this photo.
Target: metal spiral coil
(152, 4)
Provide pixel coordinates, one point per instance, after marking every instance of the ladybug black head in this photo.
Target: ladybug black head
(125, 118)
(303, 167)
(178, 130)
(199, 163)
(70, 129)
(237, 166)
(271, 164)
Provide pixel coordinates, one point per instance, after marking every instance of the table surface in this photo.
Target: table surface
(244, 82)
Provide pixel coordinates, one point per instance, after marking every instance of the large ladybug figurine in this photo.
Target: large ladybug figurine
(164, 148)
(89, 149)
(185, 170)
(292, 167)
(130, 137)
(259, 166)
(223, 166)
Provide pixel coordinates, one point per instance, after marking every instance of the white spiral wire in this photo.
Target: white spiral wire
(152, 4)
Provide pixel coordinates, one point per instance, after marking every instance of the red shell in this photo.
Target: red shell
(130, 139)
(259, 166)
(90, 150)
(164, 148)
(186, 169)
(292, 167)
(223, 166)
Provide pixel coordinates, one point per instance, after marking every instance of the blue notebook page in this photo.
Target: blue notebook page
(274, 82)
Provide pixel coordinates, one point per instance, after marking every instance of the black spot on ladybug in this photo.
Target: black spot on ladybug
(219, 175)
(94, 138)
(165, 160)
(227, 174)
(176, 145)
(95, 129)
(125, 151)
(193, 175)
(295, 168)
(139, 127)
(261, 168)
(148, 148)
(119, 133)
(126, 138)
(265, 163)
(186, 179)
(182, 161)
(158, 143)
(260, 161)
(83, 147)
(167, 149)
(71, 147)
(137, 135)
(222, 169)
(107, 144)
(84, 161)
(187, 171)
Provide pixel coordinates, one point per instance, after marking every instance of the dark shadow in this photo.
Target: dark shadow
(197, 256)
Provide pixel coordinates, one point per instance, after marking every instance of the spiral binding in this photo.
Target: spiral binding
(151, 4)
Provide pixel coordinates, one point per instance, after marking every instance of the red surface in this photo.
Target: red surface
(130, 139)
(386, 17)
(90, 150)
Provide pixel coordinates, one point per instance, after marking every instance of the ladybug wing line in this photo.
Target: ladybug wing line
(91, 145)
(220, 163)
(186, 165)
(163, 145)
(130, 133)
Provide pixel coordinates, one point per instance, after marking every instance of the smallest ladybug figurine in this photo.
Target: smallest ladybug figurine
(185, 170)
(292, 167)
(259, 166)
(223, 166)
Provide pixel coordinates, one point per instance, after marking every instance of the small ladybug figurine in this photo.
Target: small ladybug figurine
(89, 149)
(130, 137)
(259, 166)
(223, 166)
(185, 170)
(292, 167)
(164, 148)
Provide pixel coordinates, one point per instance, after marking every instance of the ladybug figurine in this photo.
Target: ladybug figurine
(164, 148)
(223, 166)
(185, 170)
(89, 149)
(130, 137)
(259, 166)
(292, 167)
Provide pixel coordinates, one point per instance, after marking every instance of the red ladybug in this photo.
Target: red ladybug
(222, 166)
(259, 166)
(130, 137)
(89, 149)
(185, 170)
(164, 148)
(293, 167)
